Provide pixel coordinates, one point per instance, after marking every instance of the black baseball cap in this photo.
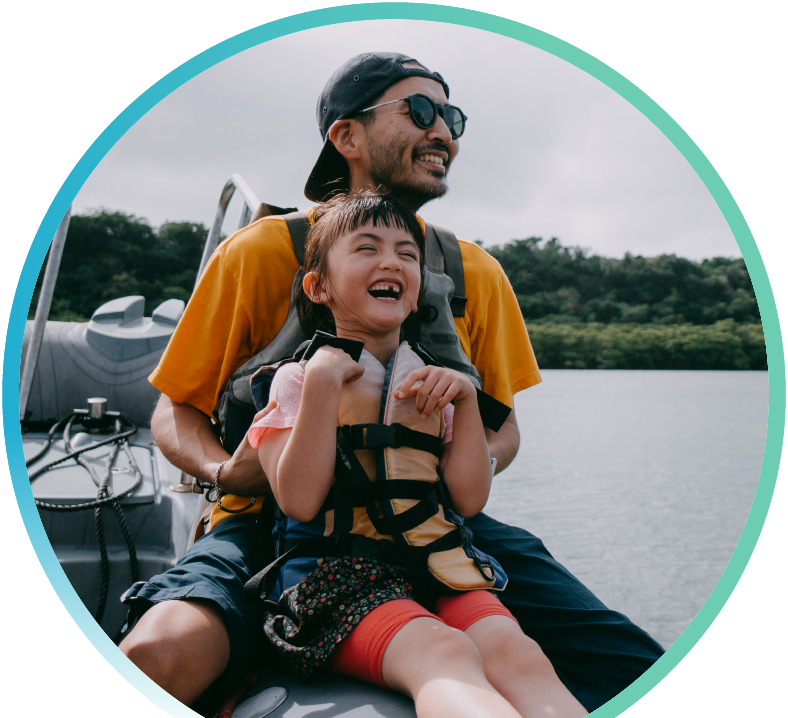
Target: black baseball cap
(350, 89)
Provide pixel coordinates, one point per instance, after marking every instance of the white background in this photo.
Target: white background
(70, 68)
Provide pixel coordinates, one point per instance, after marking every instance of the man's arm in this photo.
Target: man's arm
(185, 437)
(504, 443)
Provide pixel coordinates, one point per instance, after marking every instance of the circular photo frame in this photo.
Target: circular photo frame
(403, 11)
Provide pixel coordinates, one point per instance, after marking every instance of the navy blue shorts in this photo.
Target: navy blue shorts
(215, 569)
(595, 651)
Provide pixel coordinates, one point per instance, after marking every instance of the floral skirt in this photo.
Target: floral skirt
(313, 617)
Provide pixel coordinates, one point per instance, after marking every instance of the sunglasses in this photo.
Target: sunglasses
(424, 112)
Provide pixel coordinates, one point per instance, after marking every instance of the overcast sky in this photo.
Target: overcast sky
(549, 151)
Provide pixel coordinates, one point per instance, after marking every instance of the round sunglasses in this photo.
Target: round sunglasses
(424, 112)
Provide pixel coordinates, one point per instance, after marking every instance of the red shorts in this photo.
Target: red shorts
(360, 655)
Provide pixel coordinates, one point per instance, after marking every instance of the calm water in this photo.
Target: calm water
(639, 482)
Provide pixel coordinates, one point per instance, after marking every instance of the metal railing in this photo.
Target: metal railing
(236, 182)
(42, 313)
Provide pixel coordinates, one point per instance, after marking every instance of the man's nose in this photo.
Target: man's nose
(439, 132)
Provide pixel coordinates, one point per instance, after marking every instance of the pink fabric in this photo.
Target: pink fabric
(286, 390)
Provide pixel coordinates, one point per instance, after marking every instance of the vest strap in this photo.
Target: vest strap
(452, 257)
(391, 435)
(348, 545)
(298, 225)
(350, 475)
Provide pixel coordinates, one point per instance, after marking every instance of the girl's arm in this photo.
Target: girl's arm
(299, 462)
(465, 461)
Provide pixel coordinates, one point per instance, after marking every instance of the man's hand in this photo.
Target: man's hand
(242, 475)
(185, 437)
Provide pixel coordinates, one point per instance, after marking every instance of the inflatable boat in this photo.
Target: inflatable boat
(114, 509)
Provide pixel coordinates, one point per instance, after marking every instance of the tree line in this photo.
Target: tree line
(582, 310)
(565, 284)
(112, 254)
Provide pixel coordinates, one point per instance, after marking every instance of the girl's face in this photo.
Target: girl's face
(373, 280)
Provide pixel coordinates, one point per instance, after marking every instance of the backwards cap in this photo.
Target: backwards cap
(350, 89)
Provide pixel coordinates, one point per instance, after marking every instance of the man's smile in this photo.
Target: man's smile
(436, 159)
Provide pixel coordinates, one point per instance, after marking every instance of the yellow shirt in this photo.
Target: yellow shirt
(241, 303)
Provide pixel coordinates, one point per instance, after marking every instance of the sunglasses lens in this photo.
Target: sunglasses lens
(454, 121)
(422, 111)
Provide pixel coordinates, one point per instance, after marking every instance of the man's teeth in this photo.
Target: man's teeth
(432, 158)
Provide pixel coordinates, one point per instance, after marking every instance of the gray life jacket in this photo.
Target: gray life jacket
(432, 326)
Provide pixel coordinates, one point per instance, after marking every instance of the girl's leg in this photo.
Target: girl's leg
(442, 670)
(520, 672)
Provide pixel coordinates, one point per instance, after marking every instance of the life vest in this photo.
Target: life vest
(388, 501)
(443, 283)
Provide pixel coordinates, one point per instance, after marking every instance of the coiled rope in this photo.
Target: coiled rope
(104, 497)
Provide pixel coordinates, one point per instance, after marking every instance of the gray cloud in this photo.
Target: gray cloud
(549, 150)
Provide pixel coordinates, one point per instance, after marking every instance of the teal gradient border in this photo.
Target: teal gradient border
(398, 11)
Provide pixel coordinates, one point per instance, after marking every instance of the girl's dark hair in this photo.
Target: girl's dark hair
(340, 215)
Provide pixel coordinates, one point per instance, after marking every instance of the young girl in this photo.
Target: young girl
(362, 275)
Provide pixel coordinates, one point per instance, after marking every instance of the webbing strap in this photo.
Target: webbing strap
(348, 545)
(392, 489)
(298, 225)
(351, 475)
(374, 436)
(452, 257)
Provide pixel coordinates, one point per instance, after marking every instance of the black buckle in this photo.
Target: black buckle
(357, 546)
(481, 564)
(343, 544)
(382, 435)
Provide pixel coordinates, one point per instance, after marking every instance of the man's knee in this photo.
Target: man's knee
(174, 634)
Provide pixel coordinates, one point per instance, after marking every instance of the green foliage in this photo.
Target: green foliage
(553, 281)
(582, 311)
(111, 254)
(725, 344)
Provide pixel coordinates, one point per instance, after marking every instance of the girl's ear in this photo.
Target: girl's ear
(313, 290)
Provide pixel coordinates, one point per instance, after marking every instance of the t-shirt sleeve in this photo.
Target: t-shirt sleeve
(493, 332)
(238, 307)
(286, 389)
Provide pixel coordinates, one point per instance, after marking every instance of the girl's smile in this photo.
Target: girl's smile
(374, 275)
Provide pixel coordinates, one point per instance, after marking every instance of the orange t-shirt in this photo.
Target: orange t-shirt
(241, 303)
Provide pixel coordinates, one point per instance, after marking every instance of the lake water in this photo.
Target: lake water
(639, 482)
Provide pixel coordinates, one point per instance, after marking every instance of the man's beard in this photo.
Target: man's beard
(394, 176)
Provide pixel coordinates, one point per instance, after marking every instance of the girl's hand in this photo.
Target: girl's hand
(330, 363)
(439, 386)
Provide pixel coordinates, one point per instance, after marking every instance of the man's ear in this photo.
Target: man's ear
(347, 138)
(313, 290)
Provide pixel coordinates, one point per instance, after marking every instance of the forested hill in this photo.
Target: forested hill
(582, 310)
(111, 254)
(564, 284)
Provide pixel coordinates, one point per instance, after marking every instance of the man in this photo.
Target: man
(387, 124)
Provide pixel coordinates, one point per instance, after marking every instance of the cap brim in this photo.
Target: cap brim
(329, 176)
